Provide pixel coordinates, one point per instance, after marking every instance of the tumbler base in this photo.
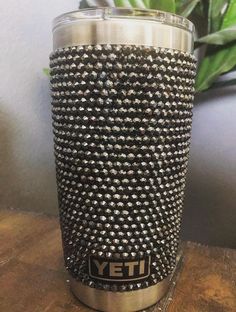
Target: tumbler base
(109, 301)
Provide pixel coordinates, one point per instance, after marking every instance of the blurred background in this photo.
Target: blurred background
(27, 171)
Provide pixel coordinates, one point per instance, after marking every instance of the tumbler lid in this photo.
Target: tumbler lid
(110, 25)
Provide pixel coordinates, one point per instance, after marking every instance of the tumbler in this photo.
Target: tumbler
(122, 85)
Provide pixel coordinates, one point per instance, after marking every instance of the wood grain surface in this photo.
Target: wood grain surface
(33, 278)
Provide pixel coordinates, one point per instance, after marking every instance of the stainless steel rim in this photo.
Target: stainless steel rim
(109, 301)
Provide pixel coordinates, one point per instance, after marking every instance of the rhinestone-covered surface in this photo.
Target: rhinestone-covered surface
(122, 119)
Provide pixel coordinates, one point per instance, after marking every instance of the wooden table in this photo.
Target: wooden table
(33, 279)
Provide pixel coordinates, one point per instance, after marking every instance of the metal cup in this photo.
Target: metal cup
(122, 92)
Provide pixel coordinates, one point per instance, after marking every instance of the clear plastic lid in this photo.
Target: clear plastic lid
(123, 13)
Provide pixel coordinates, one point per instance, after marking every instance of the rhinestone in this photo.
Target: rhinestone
(122, 134)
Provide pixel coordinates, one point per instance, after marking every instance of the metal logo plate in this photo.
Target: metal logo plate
(119, 270)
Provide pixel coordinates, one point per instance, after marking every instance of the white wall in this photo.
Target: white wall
(27, 175)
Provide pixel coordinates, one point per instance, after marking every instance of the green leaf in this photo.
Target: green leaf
(221, 60)
(230, 15)
(217, 9)
(123, 3)
(46, 71)
(163, 5)
(185, 8)
(213, 65)
(146, 3)
(84, 4)
(226, 83)
(201, 9)
(138, 4)
(221, 37)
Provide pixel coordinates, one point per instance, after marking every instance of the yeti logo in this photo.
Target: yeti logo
(123, 270)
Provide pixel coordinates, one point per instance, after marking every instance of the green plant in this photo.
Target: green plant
(215, 21)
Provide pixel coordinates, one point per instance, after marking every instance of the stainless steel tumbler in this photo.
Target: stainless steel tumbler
(122, 91)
